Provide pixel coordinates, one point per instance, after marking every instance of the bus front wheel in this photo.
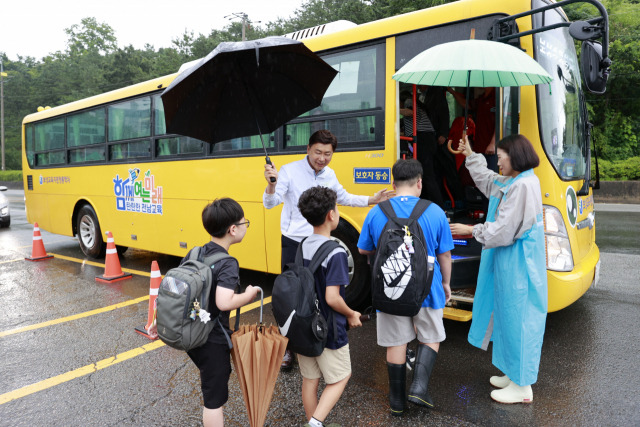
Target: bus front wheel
(89, 233)
(358, 293)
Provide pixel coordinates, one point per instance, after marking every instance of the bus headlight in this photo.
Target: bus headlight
(556, 241)
(4, 211)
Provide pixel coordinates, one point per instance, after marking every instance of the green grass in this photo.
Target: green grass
(617, 170)
(11, 176)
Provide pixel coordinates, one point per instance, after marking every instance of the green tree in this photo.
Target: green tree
(90, 36)
(614, 113)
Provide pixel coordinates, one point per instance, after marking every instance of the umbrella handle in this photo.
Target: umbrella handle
(451, 148)
(261, 301)
(268, 160)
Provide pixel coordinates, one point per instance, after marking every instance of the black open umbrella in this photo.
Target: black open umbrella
(246, 88)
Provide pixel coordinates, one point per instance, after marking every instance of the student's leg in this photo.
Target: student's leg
(330, 396)
(214, 362)
(213, 417)
(310, 396)
(397, 354)
(397, 371)
(311, 374)
(430, 331)
(335, 366)
(394, 332)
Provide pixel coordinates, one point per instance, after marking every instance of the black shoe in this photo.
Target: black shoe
(287, 360)
(419, 390)
(397, 387)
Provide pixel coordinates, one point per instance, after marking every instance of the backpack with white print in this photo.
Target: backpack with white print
(402, 268)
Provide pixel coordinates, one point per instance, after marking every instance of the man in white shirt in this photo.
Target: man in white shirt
(296, 177)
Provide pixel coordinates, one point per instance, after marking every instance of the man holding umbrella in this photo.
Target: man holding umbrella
(296, 177)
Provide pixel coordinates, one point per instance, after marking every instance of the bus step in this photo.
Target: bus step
(463, 295)
(457, 314)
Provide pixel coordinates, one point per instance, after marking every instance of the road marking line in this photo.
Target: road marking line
(86, 313)
(48, 243)
(97, 264)
(11, 260)
(104, 363)
(77, 373)
(73, 317)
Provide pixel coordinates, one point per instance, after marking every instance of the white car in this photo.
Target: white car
(5, 212)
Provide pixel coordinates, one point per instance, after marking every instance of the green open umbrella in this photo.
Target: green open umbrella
(472, 63)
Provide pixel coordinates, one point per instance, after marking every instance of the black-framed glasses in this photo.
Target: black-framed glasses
(246, 222)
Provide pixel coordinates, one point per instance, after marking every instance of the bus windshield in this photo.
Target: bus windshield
(562, 118)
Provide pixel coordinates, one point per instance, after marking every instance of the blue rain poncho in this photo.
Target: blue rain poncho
(510, 304)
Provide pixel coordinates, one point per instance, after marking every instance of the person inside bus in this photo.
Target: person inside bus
(296, 177)
(427, 144)
(510, 304)
(435, 100)
(484, 109)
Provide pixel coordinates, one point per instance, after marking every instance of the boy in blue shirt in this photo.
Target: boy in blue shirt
(318, 207)
(395, 332)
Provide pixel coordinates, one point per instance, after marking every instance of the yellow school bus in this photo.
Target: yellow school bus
(106, 163)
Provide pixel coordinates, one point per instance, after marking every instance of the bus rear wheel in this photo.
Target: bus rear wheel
(358, 293)
(89, 233)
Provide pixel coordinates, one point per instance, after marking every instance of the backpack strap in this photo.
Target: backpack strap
(419, 209)
(299, 260)
(323, 251)
(387, 209)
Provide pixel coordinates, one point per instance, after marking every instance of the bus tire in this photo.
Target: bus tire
(358, 293)
(89, 233)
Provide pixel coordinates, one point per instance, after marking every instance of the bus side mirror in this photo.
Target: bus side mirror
(595, 69)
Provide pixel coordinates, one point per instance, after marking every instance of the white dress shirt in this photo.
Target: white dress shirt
(293, 179)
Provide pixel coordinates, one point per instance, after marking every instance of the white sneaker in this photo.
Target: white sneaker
(500, 382)
(513, 393)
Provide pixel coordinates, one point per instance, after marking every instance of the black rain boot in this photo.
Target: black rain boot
(419, 390)
(397, 387)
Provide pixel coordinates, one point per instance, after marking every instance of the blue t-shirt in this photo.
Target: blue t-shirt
(435, 228)
(334, 271)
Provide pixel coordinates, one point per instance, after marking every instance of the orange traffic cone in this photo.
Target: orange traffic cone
(37, 252)
(154, 285)
(112, 270)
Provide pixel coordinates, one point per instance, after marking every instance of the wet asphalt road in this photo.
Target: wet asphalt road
(94, 370)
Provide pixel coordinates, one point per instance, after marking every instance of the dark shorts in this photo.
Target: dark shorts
(214, 362)
(289, 249)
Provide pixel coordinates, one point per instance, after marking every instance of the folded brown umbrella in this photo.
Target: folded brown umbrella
(257, 353)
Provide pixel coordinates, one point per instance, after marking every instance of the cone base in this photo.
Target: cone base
(103, 279)
(142, 331)
(40, 258)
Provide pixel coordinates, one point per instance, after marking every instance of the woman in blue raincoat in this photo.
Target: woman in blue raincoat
(510, 304)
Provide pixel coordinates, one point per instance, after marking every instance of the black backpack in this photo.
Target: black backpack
(183, 298)
(402, 268)
(295, 303)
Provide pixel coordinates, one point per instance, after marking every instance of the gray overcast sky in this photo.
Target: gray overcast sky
(36, 28)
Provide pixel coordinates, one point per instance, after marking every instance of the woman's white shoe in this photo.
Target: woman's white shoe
(500, 382)
(513, 393)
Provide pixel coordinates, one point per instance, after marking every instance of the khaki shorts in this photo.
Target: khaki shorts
(332, 365)
(400, 330)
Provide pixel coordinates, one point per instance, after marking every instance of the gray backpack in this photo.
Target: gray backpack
(183, 300)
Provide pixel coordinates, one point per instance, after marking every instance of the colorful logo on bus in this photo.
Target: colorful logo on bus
(572, 206)
(138, 193)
